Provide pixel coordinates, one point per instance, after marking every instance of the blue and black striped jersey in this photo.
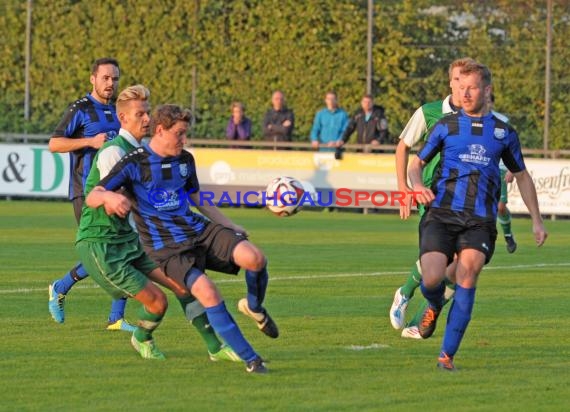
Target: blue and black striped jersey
(159, 187)
(85, 118)
(468, 178)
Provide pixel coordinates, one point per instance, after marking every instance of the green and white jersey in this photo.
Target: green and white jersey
(95, 224)
(417, 130)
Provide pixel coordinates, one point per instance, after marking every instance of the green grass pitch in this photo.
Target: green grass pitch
(333, 276)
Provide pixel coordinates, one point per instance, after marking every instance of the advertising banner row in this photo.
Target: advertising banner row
(32, 171)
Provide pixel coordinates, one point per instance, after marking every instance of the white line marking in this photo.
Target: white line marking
(311, 277)
(373, 346)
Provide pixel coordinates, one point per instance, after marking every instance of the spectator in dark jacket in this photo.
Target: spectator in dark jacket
(279, 121)
(370, 124)
(239, 126)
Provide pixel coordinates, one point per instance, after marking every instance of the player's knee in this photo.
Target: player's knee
(159, 303)
(252, 258)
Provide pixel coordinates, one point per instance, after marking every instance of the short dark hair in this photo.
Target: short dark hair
(101, 62)
(368, 96)
(166, 115)
(477, 68)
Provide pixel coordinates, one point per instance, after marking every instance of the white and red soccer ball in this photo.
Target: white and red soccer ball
(284, 196)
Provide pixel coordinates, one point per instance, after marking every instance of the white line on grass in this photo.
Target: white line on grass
(308, 277)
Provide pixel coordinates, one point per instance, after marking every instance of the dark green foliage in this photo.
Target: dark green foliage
(244, 49)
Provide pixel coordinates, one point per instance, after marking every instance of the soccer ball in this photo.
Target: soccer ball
(284, 196)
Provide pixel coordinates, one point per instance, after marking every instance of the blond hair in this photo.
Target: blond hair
(459, 63)
(136, 92)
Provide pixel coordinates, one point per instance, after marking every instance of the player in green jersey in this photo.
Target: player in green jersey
(415, 132)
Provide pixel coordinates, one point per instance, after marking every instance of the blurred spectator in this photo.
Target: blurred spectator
(239, 126)
(370, 124)
(279, 121)
(329, 125)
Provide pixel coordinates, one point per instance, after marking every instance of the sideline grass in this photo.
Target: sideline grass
(333, 278)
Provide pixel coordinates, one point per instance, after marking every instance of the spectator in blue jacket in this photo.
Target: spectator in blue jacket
(329, 125)
(239, 126)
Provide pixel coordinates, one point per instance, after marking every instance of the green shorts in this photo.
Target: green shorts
(504, 198)
(120, 269)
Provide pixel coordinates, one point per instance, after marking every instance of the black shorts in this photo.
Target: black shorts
(78, 203)
(450, 232)
(212, 250)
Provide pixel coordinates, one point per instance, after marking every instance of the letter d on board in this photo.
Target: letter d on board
(39, 170)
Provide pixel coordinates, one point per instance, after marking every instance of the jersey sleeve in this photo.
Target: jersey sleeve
(512, 155)
(434, 142)
(415, 129)
(108, 158)
(70, 123)
(316, 129)
(192, 184)
(120, 175)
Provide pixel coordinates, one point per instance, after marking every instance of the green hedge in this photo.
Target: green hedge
(244, 49)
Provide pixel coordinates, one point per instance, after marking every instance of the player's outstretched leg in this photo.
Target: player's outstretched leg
(59, 288)
(250, 258)
(206, 292)
(150, 315)
(403, 295)
(196, 314)
(116, 319)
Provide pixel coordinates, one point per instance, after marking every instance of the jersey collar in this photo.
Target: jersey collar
(129, 137)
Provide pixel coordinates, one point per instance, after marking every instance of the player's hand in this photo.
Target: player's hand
(423, 194)
(540, 233)
(406, 205)
(98, 140)
(509, 177)
(239, 229)
(286, 123)
(315, 144)
(117, 204)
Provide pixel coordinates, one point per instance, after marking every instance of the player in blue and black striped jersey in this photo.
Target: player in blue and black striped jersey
(161, 179)
(462, 200)
(84, 128)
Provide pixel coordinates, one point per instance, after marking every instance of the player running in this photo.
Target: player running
(416, 131)
(84, 128)
(161, 177)
(462, 213)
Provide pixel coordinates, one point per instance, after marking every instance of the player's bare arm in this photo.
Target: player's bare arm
(114, 203)
(402, 153)
(528, 194)
(423, 194)
(61, 144)
(214, 214)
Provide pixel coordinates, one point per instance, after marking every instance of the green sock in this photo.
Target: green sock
(413, 281)
(201, 323)
(147, 324)
(505, 221)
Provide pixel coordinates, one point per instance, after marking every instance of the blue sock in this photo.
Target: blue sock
(64, 284)
(458, 319)
(434, 296)
(256, 287)
(117, 310)
(226, 327)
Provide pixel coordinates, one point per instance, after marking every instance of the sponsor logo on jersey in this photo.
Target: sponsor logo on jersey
(476, 155)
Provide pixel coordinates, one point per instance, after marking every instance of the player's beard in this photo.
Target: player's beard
(105, 93)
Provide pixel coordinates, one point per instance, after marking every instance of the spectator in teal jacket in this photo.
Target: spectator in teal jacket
(329, 125)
